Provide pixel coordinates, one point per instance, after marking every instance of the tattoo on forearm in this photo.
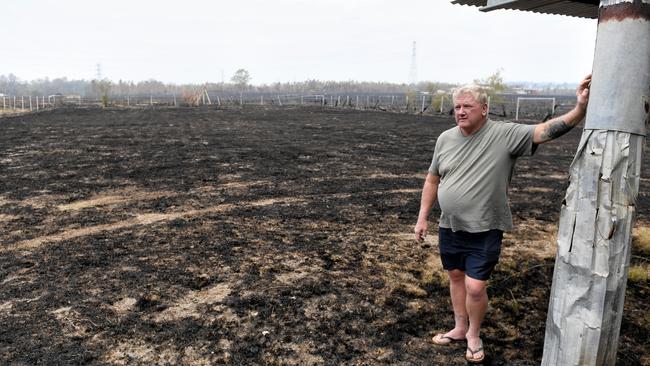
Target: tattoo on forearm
(555, 129)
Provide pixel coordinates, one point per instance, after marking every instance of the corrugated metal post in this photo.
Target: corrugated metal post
(595, 230)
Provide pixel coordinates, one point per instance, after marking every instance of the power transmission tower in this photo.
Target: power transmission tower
(98, 75)
(413, 73)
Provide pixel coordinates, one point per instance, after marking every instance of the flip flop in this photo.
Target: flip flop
(443, 340)
(474, 360)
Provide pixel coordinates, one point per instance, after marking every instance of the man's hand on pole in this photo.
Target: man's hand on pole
(582, 93)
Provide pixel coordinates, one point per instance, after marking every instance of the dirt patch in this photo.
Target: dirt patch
(121, 197)
(187, 306)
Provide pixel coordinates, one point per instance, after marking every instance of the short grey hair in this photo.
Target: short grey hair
(477, 91)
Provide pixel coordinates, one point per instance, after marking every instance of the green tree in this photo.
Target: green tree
(102, 87)
(494, 87)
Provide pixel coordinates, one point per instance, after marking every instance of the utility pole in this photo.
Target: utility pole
(595, 230)
(413, 72)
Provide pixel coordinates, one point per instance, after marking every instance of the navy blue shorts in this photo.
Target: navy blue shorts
(476, 254)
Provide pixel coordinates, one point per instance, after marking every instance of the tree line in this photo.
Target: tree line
(240, 83)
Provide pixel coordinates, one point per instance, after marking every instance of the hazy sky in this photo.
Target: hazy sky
(288, 40)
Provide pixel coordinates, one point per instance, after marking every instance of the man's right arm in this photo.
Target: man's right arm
(429, 196)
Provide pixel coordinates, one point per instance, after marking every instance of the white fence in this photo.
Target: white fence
(506, 106)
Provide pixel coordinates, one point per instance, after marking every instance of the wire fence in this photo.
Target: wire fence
(505, 105)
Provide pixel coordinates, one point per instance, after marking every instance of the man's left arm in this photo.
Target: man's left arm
(556, 127)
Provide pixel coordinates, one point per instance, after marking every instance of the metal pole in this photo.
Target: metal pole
(517, 111)
(553, 109)
(595, 230)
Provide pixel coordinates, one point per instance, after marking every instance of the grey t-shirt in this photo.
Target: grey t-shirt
(475, 172)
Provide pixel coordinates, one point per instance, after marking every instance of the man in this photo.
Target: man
(469, 176)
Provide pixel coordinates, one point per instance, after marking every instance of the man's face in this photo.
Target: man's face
(470, 114)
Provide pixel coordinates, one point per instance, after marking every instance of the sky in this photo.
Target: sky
(196, 41)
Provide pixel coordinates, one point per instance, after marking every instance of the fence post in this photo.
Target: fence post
(553, 110)
(517, 111)
(423, 98)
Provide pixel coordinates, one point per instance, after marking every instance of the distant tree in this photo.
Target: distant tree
(102, 88)
(494, 87)
(494, 83)
(241, 78)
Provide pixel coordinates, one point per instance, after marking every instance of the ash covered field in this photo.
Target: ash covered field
(257, 236)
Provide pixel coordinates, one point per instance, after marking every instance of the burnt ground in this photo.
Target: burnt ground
(256, 236)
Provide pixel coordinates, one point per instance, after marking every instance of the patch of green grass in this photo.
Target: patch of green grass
(638, 274)
(641, 240)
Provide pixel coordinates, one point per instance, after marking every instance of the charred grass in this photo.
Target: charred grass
(257, 236)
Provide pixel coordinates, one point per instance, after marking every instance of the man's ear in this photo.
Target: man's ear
(485, 109)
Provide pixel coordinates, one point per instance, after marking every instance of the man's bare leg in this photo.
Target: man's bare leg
(476, 304)
(458, 295)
